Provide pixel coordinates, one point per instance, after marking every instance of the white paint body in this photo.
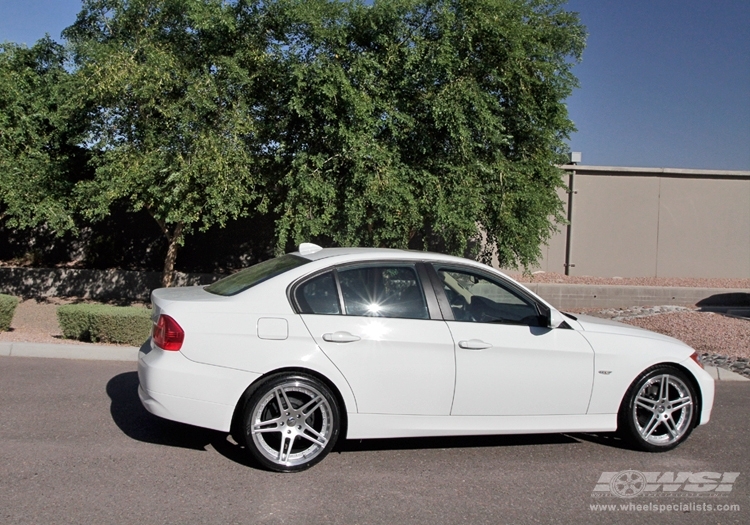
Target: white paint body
(401, 377)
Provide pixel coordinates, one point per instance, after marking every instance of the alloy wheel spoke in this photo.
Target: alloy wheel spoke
(316, 437)
(263, 426)
(650, 427)
(671, 427)
(258, 430)
(279, 400)
(316, 403)
(285, 398)
(644, 402)
(664, 388)
(304, 408)
(682, 402)
(285, 449)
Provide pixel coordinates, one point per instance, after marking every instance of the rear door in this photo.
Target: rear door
(382, 329)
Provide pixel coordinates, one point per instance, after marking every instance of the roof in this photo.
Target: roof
(333, 252)
(378, 253)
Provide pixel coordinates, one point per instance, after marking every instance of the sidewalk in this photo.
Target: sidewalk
(66, 351)
(130, 353)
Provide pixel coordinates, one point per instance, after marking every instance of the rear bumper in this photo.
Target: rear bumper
(176, 388)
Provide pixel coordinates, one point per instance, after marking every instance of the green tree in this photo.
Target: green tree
(404, 123)
(424, 123)
(40, 159)
(174, 126)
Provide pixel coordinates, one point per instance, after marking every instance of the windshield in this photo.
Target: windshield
(249, 277)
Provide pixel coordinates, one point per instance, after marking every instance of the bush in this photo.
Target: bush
(8, 305)
(107, 324)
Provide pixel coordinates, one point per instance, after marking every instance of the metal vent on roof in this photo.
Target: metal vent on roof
(306, 248)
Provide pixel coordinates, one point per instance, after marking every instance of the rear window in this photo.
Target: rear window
(249, 277)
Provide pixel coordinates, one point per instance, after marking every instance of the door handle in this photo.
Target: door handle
(474, 344)
(340, 337)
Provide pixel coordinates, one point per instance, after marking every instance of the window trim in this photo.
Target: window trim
(295, 286)
(437, 283)
(421, 268)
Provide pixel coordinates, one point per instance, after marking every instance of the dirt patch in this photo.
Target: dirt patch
(36, 322)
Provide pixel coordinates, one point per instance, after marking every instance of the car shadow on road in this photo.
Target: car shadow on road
(137, 423)
(608, 439)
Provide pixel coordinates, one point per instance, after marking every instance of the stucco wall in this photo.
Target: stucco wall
(646, 222)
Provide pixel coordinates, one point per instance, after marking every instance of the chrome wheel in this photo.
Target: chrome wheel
(661, 409)
(291, 423)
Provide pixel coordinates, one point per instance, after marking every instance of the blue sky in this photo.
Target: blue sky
(664, 83)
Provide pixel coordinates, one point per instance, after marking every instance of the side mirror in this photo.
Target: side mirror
(555, 318)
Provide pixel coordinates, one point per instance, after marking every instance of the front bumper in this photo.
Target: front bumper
(707, 388)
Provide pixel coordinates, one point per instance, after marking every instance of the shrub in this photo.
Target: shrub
(8, 305)
(103, 323)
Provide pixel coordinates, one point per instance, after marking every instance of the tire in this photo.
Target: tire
(291, 422)
(659, 410)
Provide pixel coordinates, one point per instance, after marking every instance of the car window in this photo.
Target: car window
(383, 291)
(319, 295)
(256, 274)
(477, 298)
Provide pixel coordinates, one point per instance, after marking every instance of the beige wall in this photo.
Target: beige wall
(553, 253)
(648, 222)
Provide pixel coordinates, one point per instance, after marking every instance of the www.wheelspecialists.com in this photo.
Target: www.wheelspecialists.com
(665, 507)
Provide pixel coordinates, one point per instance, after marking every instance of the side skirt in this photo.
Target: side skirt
(372, 426)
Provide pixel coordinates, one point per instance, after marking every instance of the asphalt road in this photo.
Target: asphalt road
(76, 447)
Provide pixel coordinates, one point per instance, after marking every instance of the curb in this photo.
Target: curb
(130, 353)
(722, 374)
(63, 351)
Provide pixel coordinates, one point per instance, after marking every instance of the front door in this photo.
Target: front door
(507, 363)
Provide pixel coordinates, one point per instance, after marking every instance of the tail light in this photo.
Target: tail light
(168, 335)
(697, 358)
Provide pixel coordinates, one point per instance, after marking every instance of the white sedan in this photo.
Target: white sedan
(294, 352)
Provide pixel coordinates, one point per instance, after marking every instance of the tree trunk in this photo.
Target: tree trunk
(167, 278)
(174, 238)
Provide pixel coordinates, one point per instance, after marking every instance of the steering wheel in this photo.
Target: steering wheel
(460, 308)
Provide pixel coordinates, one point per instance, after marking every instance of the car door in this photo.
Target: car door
(508, 362)
(385, 335)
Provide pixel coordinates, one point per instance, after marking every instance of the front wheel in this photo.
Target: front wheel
(659, 410)
(291, 422)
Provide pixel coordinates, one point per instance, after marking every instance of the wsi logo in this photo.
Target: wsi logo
(632, 483)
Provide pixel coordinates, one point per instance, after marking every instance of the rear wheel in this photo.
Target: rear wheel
(659, 410)
(291, 422)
